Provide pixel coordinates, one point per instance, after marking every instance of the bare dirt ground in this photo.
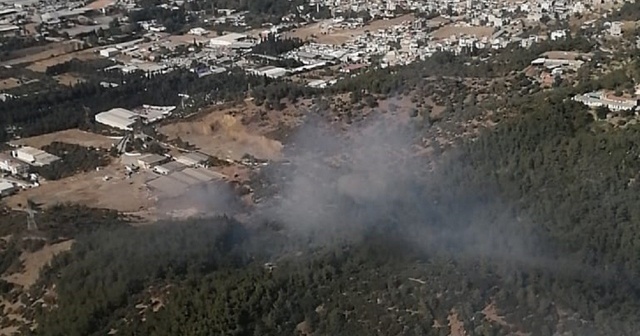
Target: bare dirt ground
(50, 54)
(71, 136)
(233, 132)
(34, 262)
(340, 36)
(48, 59)
(90, 189)
(451, 29)
(457, 327)
(69, 79)
(9, 83)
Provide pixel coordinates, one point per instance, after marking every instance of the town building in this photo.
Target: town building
(125, 119)
(13, 166)
(609, 100)
(34, 156)
(117, 118)
(193, 159)
(7, 188)
(168, 168)
(148, 161)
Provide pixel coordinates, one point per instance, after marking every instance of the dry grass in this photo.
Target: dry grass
(33, 262)
(72, 136)
(51, 54)
(451, 30)
(338, 37)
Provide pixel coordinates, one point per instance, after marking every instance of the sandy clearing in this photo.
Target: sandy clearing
(72, 136)
(50, 52)
(221, 133)
(341, 36)
(43, 63)
(90, 189)
(453, 30)
(9, 83)
(34, 262)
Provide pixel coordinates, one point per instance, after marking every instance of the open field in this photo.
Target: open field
(9, 83)
(341, 36)
(72, 136)
(45, 52)
(42, 64)
(450, 30)
(90, 189)
(233, 132)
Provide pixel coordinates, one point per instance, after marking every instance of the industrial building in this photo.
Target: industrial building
(179, 182)
(169, 167)
(7, 188)
(34, 156)
(270, 71)
(13, 166)
(109, 52)
(117, 118)
(148, 161)
(227, 40)
(193, 159)
(125, 119)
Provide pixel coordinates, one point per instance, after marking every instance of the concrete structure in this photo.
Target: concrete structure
(270, 71)
(179, 182)
(109, 52)
(198, 31)
(125, 119)
(34, 156)
(601, 98)
(117, 118)
(193, 159)
(148, 161)
(15, 167)
(227, 40)
(7, 188)
(168, 168)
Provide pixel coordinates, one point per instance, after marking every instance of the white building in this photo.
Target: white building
(12, 166)
(616, 29)
(109, 52)
(193, 159)
(227, 40)
(117, 118)
(558, 34)
(6, 188)
(34, 156)
(198, 31)
(125, 119)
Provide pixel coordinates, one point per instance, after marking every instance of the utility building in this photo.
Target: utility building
(117, 118)
(34, 156)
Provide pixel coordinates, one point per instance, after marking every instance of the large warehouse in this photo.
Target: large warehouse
(117, 118)
(125, 119)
